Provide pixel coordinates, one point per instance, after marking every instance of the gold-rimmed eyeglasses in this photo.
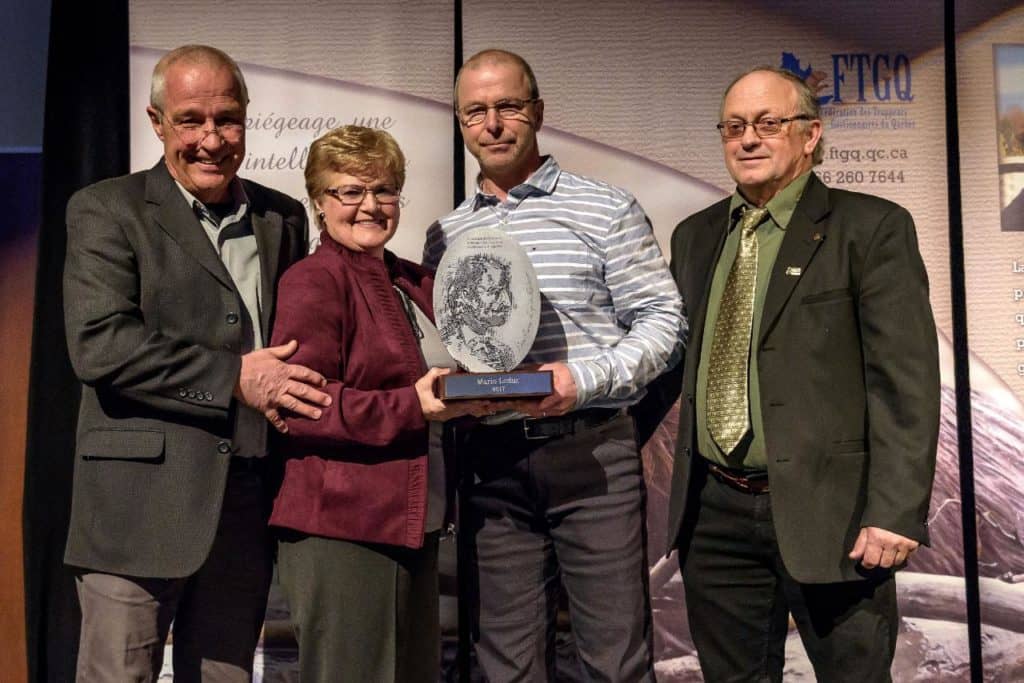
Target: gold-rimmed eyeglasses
(764, 127)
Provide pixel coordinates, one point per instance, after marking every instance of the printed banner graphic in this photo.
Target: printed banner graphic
(632, 97)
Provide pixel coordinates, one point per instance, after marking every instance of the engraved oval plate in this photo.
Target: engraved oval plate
(487, 301)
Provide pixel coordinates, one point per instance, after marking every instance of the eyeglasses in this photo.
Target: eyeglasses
(765, 127)
(510, 109)
(194, 132)
(352, 195)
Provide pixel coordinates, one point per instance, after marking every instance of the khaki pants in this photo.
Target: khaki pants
(217, 612)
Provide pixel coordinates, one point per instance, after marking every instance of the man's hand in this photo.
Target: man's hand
(561, 400)
(877, 547)
(268, 384)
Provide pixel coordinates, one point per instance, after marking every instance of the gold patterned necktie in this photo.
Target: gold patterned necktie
(728, 414)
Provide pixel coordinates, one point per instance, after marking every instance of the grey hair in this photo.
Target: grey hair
(807, 101)
(193, 54)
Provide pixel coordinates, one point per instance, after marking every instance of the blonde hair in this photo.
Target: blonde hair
(356, 150)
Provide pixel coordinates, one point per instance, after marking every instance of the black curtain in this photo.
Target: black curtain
(85, 139)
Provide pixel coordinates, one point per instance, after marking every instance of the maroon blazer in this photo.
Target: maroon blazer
(360, 471)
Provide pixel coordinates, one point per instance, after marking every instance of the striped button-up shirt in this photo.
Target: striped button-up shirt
(611, 311)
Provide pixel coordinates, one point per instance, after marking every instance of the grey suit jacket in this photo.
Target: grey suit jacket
(154, 334)
(848, 370)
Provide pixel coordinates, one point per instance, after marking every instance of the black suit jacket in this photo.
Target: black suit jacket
(154, 333)
(848, 371)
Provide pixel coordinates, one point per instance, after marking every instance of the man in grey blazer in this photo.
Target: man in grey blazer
(810, 404)
(169, 286)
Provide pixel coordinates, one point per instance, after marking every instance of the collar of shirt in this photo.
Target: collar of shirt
(541, 181)
(239, 200)
(780, 207)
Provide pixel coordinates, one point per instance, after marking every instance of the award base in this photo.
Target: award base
(495, 385)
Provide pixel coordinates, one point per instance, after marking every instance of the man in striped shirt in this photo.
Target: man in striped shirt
(559, 493)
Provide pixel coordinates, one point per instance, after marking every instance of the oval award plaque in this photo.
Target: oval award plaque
(487, 304)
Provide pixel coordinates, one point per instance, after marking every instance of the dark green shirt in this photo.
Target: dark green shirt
(750, 454)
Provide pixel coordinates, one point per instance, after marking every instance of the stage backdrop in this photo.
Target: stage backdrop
(624, 84)
(312, 66)
(990, 63)
(632, 95)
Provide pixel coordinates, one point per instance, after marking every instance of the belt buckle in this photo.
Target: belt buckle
(740, 483)
(528, 433)
(533, 429)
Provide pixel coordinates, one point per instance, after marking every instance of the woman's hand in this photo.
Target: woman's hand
(435, 409)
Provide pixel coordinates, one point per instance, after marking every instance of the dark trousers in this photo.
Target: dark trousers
(217, 612)
(739, 597)
(362, 612)
(565, 512)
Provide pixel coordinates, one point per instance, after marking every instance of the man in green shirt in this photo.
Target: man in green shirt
(810, 403)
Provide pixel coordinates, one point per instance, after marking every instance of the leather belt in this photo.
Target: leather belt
(531, 428)
(756, 483)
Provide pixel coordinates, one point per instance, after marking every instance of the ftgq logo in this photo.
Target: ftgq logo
(857, 77)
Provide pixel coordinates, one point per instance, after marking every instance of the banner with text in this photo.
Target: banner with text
(632, 96)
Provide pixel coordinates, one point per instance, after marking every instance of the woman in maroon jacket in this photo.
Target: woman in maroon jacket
(362, 499)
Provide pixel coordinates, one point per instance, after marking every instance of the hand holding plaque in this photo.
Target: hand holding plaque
(487, 304)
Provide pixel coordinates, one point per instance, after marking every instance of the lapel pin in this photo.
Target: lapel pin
(793, 271)
(817, 237)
